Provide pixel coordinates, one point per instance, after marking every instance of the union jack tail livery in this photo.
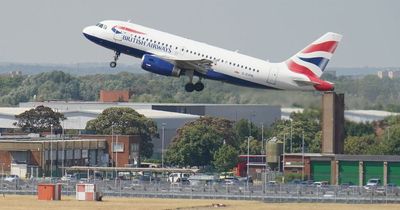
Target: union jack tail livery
(312, 60)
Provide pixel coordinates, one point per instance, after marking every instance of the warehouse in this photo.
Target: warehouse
(344, 169)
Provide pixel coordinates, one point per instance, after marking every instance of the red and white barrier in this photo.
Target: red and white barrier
(86, 192)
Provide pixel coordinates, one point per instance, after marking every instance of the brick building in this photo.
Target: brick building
(36, 157)
(123, 150)
(115, 95)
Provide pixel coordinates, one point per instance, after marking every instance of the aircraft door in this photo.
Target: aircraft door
(272, 75)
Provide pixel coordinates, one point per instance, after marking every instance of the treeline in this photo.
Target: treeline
(369, 92)
(217, 142)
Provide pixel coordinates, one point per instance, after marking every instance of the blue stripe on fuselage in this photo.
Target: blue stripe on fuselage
(117, 47)
(211, 74)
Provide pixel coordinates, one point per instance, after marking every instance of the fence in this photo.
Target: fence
(269, 192)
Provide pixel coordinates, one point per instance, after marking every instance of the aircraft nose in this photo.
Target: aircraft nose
(88, 31)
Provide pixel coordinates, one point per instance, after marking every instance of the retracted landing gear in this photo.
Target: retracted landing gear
(113, 64)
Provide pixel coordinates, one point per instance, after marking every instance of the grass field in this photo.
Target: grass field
(15, 202)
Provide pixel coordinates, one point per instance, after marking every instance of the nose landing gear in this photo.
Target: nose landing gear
(113, 64)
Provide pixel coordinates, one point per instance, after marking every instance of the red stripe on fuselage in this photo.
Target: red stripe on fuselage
(329, 46)
(129, 29)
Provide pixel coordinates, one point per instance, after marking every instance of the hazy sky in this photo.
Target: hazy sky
(50, 31)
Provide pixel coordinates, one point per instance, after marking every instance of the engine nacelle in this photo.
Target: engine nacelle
(159, 66)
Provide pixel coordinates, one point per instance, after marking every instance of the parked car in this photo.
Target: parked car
(68, 177)
(320, 184)
(231, 181)
(11, 178)
(373, 183)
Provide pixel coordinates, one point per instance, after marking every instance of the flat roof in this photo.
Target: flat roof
(320, 156)
(23, 104)
(150, 113)
(157, 170)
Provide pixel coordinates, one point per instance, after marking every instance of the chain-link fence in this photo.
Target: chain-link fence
(237, 191)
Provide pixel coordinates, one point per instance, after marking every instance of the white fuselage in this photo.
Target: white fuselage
(227, 66)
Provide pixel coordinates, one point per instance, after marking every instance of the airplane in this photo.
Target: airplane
(169, 55)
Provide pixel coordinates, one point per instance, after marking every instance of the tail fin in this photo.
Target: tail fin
(313, 59)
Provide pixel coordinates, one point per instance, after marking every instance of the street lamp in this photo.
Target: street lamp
(63, 149)
(291, 135)
(51, 152)
(262, 139)
(302, 156)
(162, 143)
(112, 144)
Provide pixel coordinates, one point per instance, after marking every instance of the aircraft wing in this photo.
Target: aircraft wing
(199, 65)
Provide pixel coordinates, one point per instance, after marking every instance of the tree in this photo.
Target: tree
(39, 119)
(391, 141)
(306, 123)
(126, 121)
(195, 146)
(242, 128)
(359, 145)
(222, 126)
(254, 147)
(196, 142)
(358, 129)
(225, 158)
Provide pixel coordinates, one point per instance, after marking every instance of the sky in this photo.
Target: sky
(50, 31)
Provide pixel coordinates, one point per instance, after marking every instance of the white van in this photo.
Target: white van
(178, 177)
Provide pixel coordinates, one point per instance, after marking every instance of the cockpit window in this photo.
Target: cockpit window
(100, 25)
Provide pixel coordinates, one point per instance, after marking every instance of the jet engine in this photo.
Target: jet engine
(159, 66)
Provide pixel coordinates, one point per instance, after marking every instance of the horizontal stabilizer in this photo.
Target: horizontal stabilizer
(301, 82)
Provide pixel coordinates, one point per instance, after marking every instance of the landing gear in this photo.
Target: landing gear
(190, 87)
(199, 86)
(113, 64)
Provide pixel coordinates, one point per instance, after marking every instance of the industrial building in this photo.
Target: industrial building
(28, 156)
(168, 117)
(344, 169)
(332, 165)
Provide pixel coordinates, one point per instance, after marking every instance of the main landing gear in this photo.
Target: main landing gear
(113, 64)
(190, 87)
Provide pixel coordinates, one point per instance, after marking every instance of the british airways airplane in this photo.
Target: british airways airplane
(166, 54)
